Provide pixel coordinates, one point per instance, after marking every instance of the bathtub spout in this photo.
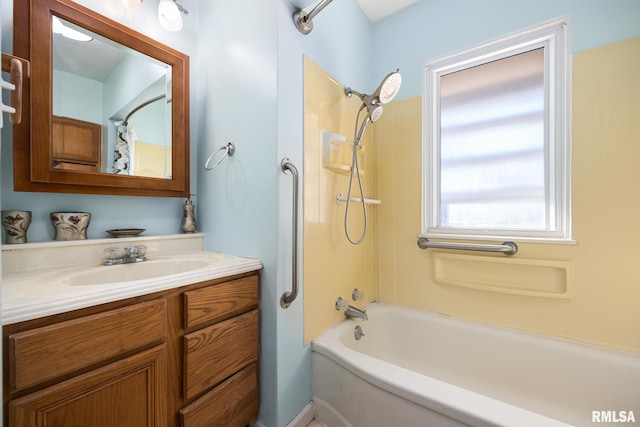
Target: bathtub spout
(350, 312)
(355, 313)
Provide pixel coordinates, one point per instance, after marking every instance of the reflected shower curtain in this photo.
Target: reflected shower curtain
(123, 158)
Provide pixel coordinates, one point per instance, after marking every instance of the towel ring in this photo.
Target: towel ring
(229, 149)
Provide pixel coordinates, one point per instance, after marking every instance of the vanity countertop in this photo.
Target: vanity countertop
(52, 289)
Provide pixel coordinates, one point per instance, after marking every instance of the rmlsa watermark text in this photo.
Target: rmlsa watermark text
(613, 417)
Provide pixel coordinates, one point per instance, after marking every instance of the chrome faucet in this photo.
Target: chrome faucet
(350, 312)
(115, 255)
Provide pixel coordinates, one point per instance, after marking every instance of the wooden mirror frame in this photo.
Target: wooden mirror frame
(33, 158)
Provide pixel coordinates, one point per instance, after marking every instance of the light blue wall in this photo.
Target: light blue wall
(157, 215)
(149, 123)
(340, 43)
(250, 71)
(432, 28)
(82, 97)
(133, 76)
(237, 71)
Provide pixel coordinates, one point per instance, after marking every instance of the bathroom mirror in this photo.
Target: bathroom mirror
(106, 108)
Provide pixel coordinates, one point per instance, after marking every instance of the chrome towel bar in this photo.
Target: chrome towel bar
(288, 297)
(507, 248)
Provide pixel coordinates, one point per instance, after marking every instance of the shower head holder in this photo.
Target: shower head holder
(386, 91)
(374, 108)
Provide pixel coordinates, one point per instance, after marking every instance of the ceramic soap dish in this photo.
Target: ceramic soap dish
(125, 232)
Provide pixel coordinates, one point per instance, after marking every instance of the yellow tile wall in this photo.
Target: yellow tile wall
(606, 211)
(332, 266)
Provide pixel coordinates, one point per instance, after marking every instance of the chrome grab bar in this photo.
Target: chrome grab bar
(288, 297)
(507, 248)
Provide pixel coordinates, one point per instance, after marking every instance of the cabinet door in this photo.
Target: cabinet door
(128, 393)
(76, 141)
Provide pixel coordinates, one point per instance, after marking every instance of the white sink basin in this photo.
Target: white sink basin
(122, 273)
(64, 284)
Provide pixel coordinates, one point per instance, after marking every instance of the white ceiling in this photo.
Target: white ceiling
(378, 9)
(374, 9)
(70, 56)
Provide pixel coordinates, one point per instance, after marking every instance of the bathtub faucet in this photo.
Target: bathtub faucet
(350, 312)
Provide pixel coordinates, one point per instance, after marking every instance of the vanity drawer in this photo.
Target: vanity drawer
(215, 353)
(218, 302)
(232, 403)
(46, 353)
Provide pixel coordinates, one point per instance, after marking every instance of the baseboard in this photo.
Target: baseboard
(301, 420)
(304, 417)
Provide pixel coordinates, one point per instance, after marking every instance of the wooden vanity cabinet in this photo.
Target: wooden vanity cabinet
(76, 144)
(221, 349)
(182, 357)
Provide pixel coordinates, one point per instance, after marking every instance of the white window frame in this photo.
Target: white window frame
(552, 37)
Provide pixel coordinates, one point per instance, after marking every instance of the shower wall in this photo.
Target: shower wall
(332, 266)
(605, 149)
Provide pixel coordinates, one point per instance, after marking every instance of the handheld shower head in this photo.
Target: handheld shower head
(374, 111)
(386, 91)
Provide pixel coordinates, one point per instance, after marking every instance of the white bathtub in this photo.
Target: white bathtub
(415, 368)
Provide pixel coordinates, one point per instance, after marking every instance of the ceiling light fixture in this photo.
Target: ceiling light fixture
(170, 14)
(132, 6)
(58, 27)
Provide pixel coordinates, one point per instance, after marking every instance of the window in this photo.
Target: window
(496, 149)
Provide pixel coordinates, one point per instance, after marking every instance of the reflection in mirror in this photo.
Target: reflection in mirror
(111, 106)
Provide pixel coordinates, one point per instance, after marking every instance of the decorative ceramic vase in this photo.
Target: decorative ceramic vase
(70, 225)
(16, 224)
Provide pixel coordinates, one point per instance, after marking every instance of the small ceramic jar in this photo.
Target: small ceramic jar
(16, 224)
(70, 225)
